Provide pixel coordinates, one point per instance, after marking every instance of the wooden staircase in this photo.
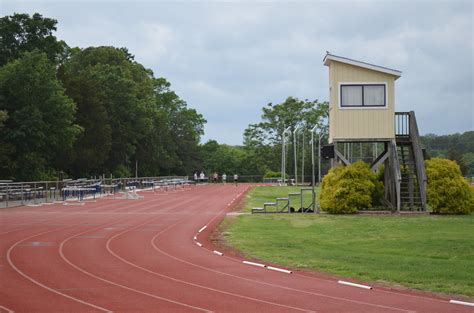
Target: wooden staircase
(410, 167)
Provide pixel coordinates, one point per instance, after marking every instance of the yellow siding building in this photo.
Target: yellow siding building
(362, 100)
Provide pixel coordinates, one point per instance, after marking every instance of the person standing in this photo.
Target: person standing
(224, 178)
(201, 177)
(215, 177)
(195, 177)
(236, 179)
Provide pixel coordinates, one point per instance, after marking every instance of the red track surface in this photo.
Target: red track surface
(141, 256)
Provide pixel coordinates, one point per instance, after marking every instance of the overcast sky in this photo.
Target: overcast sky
(229, 59)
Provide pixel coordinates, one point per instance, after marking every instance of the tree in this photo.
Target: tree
(20, 33)
(265, 138)
(40, 119)
(132, 116)
(113, 94)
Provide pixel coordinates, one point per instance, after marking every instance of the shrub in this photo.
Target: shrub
(448, 191)
(347, 189)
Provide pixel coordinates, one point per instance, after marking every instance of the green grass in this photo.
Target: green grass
(433, 253)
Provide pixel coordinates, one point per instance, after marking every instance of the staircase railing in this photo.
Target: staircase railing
(402, 124)
(419, 160)
(395, 169)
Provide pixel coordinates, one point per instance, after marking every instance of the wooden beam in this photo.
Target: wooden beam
(380, 159)
(341, 157)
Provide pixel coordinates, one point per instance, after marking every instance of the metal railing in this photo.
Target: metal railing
(39, 192)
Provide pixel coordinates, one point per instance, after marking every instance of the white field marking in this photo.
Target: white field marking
(218, 253)
(353, 285)
(269, 284)
(253, 263)
(61, 253)
(187, 282)
(40, 284)
(204, 227)
(461, 302)
(6, 309)
(279, 269)
(199, 244)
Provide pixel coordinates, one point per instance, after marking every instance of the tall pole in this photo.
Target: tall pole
(294, 150)
(283, 155)
(319, 159)
(283, 158)
(302, 162)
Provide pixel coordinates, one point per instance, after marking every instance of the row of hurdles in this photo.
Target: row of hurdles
(33, 193)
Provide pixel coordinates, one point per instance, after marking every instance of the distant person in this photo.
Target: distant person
(224, 178)
(201, 176)
(215, 177)
(236, 179)
(195, 176)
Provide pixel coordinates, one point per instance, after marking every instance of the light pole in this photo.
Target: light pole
(302, 161)
(283, 155)
(294, 150)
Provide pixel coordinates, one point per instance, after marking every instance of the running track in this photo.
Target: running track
(142, 256)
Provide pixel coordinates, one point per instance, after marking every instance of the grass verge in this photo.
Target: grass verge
(434, 253)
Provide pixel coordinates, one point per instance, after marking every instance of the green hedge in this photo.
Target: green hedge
(448, 191)
(347, 189)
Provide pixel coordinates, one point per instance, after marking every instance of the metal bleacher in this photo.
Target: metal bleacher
(293, 203)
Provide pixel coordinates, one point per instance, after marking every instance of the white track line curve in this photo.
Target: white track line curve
(187, 282)
(65, 259)
(6, 309)
(50, 231)
(265, 283)
(43, 285)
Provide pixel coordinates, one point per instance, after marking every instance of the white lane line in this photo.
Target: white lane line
(218, 253)
(65, 259)
(6, 309)
(253, 263)
(40, 284)
(279, 269)
(204, 227)
(353, 285)
(461, 302)
(186, 282)
(199, 244)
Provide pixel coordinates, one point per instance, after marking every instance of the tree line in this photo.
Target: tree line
(80, 112)
(456, 147)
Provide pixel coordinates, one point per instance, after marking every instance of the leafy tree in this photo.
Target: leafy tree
(448, 191)
(457, 156)
(132, 116)
(113, 94)
(264, 138)
(223, 158)
(40, 119)
(20, 33)
(185, 128)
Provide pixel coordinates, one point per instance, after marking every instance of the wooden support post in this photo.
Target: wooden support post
(340, 156)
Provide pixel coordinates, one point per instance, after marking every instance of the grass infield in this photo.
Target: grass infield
(434, 253)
